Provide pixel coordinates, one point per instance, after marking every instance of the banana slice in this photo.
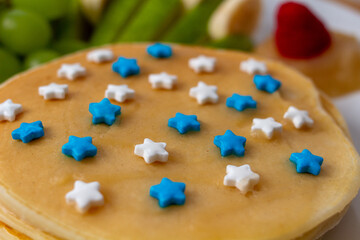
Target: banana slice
(93, 9)
(233, 17)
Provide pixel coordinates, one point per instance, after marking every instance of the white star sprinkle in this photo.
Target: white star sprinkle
(162, 80)
(85, 196)
(204, 93)
(202, 64)
(241, 177)
(252, 66)
(71, 71)
(9, 110)
(152, 151)
(53, 91)
(120, 93)
(268, 126)
(100, 56)
(299, 118)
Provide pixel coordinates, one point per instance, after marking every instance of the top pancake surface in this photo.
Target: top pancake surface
(284, 205)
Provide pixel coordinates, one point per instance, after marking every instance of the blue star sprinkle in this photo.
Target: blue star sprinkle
(79, 148)
(28, 132)
(126, 67)
(168, 193)
(104, 112)
(306, 162)
(159, 50)
(240, 102)
(184, 123)
(229, 143)
(266, 83)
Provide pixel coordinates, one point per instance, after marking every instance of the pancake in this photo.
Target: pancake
(283, 205)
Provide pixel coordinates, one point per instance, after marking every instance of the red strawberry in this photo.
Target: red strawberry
(300, 34)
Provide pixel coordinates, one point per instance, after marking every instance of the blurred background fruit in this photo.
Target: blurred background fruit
(234, 17)
(33, 32)
(112, 23)
(236, 42)
(49, 9)
(23, 32)
(9, 64)
(39, 57)
(151, 20)
(66, 46)
(192, 27)
(73, 24)
(92, 9)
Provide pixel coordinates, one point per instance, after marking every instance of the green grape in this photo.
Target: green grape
(9, 64)
(39, 57)
(66, 46)
(24, 32)
(49, 9)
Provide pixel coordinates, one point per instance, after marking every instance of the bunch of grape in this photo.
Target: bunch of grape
(35, 31)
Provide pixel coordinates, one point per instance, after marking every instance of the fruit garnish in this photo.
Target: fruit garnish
(116, 16)
(151, 20)
(49, 9)
(10, 64)
(300, 34)
(192, 27)
(233, 17)
(24, 32)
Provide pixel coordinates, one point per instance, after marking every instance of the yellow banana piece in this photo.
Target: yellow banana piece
(234, 17)
(189, 4)
(93, 9)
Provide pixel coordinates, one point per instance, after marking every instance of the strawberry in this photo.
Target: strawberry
(300, 34)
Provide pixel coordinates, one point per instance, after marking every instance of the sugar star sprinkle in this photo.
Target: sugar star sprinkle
(299, 118)
(71, 71)
(202, 64)
(240, 102)
(120, 93)
(306, 162)
(152, 151)
(126, 67)
(184, 123)
(100, 56)
(104, 112)
(204, 93)
(162, 80)
(267, 125)
(85, 195)
(28, 132)
(252, 66)
(169, 193)
(229, 143)
(53, 91)
(79, 148)
(243, 178)
(159, 50)
(266, 83)
(9, 110)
